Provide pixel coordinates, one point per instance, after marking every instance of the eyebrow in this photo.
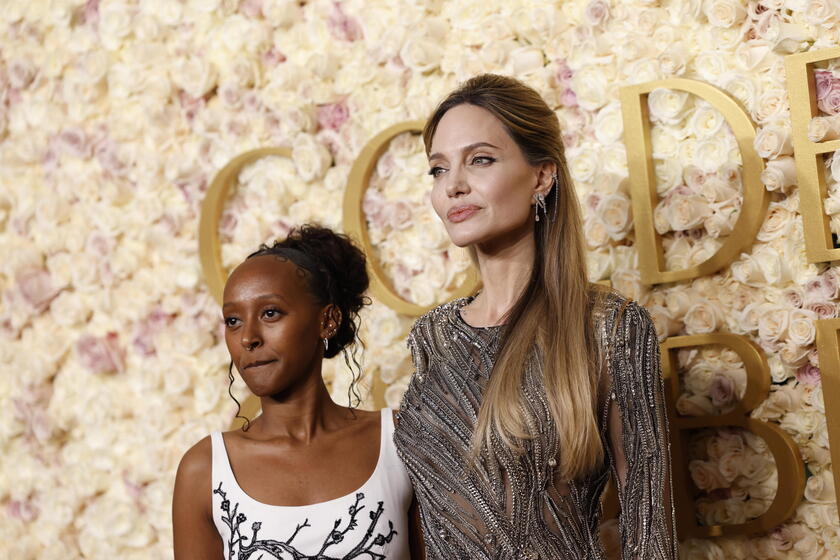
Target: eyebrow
(466, 149)
(260, 298)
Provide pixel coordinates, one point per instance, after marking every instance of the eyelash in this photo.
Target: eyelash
(435, 171)
(229, 321)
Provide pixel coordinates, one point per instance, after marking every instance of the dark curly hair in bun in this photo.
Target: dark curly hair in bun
(335, 271)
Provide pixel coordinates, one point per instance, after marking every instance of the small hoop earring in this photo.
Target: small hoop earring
(539, 206)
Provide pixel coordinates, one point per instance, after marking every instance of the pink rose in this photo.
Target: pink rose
(36, 287)
(342, 26)
(828, 91)
(705, 475)
(101, 354)
(809, 375)
(823, 309)
(26, 511)
(333, 115)
(722, 390)
(597, 12)
(563, 74)
(251, 8)
(146, 330)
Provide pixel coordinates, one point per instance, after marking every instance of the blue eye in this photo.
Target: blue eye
(435, 171)
(482, 160)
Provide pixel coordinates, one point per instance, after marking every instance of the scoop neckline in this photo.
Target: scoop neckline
(331, 501)
(463, 302)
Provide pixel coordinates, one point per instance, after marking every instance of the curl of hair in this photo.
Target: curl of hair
(551, 319)
(341, 279)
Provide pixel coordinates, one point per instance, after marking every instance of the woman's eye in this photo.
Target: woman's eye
(271, 313)
(435, 171)
(230, 322)
(482, 160)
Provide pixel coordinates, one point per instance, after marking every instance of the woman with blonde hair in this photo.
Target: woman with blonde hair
(528, 395)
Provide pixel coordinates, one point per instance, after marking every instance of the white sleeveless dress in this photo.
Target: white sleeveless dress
(370, 523)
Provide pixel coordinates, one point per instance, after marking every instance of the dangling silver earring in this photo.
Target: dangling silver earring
(555, 186)
(539, 206)
(326, 344)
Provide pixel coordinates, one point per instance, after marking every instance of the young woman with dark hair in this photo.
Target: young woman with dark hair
(529, 394)
(308, 478)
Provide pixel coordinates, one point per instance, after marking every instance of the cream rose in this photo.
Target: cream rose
(667, 105)
(706, 475)
(669, 174)
(724, 13)
(311, 158)
(706, 121)
(779, 174)
(609, 124)
(685, 210)
(824, 128)
(702, 317)
(820, 488)
(615, 214)
(590, 86)
(773, 141)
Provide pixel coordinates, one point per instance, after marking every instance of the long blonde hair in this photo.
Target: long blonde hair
(553, 314)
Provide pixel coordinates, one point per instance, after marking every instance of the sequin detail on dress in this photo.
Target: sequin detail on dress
(514, 506)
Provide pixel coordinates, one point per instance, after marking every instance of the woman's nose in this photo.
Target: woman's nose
(456, 182)
(251, 339)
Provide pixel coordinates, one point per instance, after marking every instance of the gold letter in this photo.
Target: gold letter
(209, 249)
(828, 345)
(781, 445)
(643, 180)
(802, 93)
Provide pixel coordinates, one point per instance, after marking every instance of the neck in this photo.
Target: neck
(300, 413)
(505, 269)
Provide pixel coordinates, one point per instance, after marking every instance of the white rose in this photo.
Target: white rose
(711, 154)
(773, 323)
(664, 143)
(742, 87)
(591, 87)
(778, 223)
(772, 142)
(724, 13)
(772, 105)
(667, 105)
(311, 158)
(702, 317)
(705, 121)
(195, 75)
(820, 12)
(710, 66)
(525, 60)
(609, 124)
(824, 128)
(595, 233)
(614, 159)
(698, 378)
(599, 265)
(669, 174)
(615, 213)
(583, 166)
(115, 23)
(721, 222)
(779, 174)
(686, 211)
(776, 270)
(424, 48)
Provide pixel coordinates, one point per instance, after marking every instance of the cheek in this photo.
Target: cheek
(439, 200)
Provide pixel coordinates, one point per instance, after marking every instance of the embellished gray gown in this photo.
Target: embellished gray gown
(514, 506)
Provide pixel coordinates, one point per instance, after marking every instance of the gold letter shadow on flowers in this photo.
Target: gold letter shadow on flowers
(791, 471)
(355, 222)
(637, 140)
(828, 345)
(802, 93)
(209, 245)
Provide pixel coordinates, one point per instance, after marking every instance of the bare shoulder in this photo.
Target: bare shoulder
(197, 463)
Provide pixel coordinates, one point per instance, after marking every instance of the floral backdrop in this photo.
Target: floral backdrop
(115, 116)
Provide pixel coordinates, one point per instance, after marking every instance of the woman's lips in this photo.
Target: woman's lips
(255, 365)
(460, 213)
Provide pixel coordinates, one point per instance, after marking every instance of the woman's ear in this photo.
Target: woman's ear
(546, 173)
(330, 320)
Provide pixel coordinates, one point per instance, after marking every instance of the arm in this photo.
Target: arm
(416, 545)
(195, 535)
(638, 440)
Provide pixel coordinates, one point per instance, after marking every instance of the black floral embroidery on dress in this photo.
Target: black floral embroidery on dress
(242, 547)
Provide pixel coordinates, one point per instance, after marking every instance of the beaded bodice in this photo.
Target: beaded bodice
(510, 505)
